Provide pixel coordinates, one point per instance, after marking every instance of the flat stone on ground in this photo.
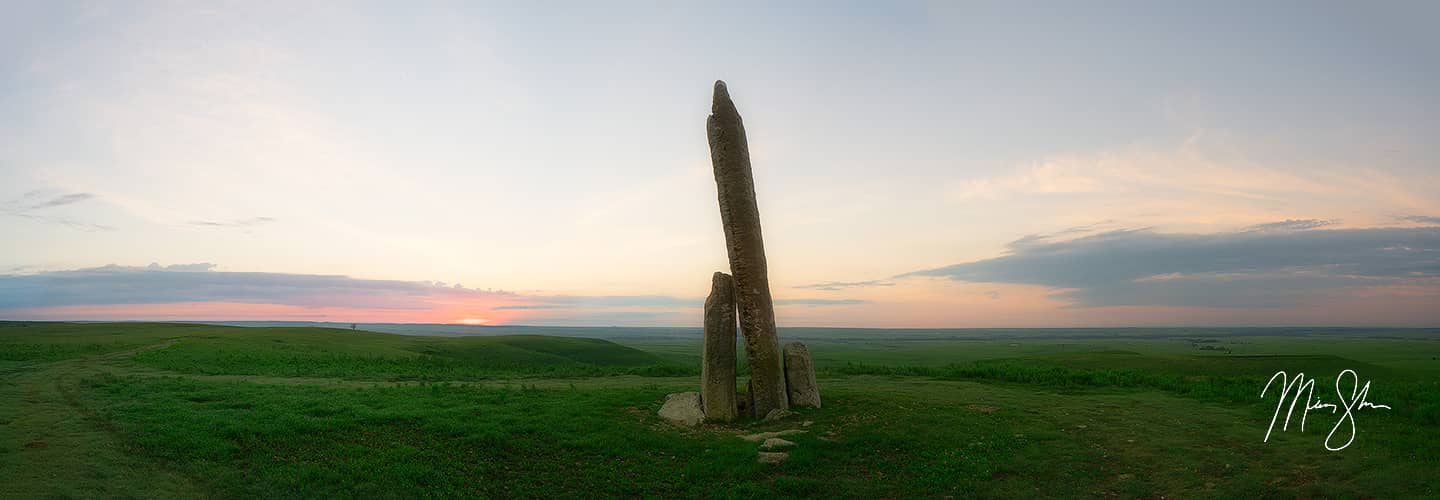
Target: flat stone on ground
(772, 457)
(774, 443)
(761, 436)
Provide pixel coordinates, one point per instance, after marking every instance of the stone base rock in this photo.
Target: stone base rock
(683, 408)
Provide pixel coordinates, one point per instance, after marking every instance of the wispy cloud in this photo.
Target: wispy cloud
(831, 286)
(26, 207)
(819, 302)
(533, 307)
(618, 300)
(1197, 165)
(1210, 178)
(1423, 219)
(1291, 225)
(1233, 269)
(182, 290)
(65, 199)
(238, 223)
(156, 284)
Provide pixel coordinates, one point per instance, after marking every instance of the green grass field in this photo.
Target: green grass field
(171, 410)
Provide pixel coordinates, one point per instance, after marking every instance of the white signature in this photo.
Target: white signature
(1300, 385)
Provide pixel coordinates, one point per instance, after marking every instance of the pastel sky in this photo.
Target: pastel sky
(918, 164)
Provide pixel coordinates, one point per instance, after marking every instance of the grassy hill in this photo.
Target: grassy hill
(184, 411)
(330, 352)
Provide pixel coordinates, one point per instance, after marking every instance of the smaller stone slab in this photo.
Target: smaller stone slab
(800, 376)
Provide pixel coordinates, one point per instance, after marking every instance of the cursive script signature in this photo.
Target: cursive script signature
(1300, 384)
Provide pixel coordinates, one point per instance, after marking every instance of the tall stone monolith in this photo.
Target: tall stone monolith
(800, 376)
(717, 371)
(740, 216)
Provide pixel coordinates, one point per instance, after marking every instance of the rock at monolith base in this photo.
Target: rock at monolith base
(800, 376)
(717, 373)
(683, 408)
(740, 217)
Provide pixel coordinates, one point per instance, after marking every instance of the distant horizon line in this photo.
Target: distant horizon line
(464, 325)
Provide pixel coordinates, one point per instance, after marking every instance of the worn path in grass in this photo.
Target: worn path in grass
(54, 446)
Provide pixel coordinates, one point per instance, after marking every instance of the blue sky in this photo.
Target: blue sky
(558, 151)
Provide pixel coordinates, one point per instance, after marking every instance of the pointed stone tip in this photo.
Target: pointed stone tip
(721, 99)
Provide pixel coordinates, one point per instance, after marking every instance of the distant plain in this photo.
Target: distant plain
(291, 410)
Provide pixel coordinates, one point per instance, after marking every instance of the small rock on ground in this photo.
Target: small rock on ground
(774, 443)
(683, 408)
(778, 414)
(767, 435)
(767, 457)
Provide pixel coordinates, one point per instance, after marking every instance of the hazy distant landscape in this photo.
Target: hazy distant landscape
(164, 409)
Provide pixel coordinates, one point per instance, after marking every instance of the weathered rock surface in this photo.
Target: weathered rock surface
(748, 406)
(772, 457)
(740, 216)
(717, 371)
(761, 436)
(683, 408)
(800, 376)
(774, 443)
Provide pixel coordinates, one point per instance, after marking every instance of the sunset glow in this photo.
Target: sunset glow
(934, 166)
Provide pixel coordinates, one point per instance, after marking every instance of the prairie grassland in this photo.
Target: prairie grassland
(167, 410)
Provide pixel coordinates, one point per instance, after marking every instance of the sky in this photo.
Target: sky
(917, 164)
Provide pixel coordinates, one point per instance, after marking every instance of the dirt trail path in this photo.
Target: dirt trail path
(51, 445)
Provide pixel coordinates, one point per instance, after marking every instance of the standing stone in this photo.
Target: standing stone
(740, 216)
(717, 374)
(800, 376)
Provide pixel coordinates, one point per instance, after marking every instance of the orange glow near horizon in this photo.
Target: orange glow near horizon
(911, 303)
(241, 311)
